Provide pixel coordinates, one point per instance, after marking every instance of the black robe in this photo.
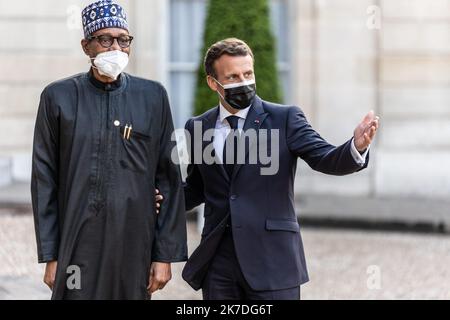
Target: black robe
(93, 191)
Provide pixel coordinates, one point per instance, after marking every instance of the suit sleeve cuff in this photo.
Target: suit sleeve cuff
(359, 158)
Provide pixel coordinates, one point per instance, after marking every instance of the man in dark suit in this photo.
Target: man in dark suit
(251, 246)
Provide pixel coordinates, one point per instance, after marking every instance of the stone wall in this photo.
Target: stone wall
(398, 66)
(347, 58)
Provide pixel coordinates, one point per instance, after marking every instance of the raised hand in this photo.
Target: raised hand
(366, 131)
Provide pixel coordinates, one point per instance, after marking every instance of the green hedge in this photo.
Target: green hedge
(248, 21)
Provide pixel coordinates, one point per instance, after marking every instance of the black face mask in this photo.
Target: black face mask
(239, 95)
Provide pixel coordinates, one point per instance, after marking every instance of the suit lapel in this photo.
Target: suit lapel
(254, 120)
(209, 122)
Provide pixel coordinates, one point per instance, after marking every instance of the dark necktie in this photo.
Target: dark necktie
(231, 142)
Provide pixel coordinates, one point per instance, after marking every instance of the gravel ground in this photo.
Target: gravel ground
(343, 264)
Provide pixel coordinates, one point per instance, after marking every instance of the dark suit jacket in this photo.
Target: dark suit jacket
(264, 222)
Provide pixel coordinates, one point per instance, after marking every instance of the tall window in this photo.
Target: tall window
(187, 19)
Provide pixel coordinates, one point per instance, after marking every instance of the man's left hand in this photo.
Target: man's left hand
(366, 131)
(160, 275)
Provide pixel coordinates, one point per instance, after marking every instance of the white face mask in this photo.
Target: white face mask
(111, 63)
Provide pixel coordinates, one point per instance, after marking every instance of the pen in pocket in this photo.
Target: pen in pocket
(127, 132)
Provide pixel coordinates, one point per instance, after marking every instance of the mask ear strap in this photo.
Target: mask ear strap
(217, 81)
(91, 61)
(221, 96)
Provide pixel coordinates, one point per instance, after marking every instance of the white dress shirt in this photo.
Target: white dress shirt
(223, 128)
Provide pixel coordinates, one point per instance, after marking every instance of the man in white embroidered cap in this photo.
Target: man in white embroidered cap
(102, 145)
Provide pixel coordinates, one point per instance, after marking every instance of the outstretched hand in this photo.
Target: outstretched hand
(366, 131)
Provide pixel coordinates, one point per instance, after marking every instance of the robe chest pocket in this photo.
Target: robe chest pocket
(134, 150)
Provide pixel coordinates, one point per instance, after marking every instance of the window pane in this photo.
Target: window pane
(186, 37)
(186, 33)
(279, 18)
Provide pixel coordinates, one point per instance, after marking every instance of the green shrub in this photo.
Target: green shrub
(248, 21)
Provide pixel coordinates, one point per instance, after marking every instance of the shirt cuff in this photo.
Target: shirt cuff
(358, 157)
